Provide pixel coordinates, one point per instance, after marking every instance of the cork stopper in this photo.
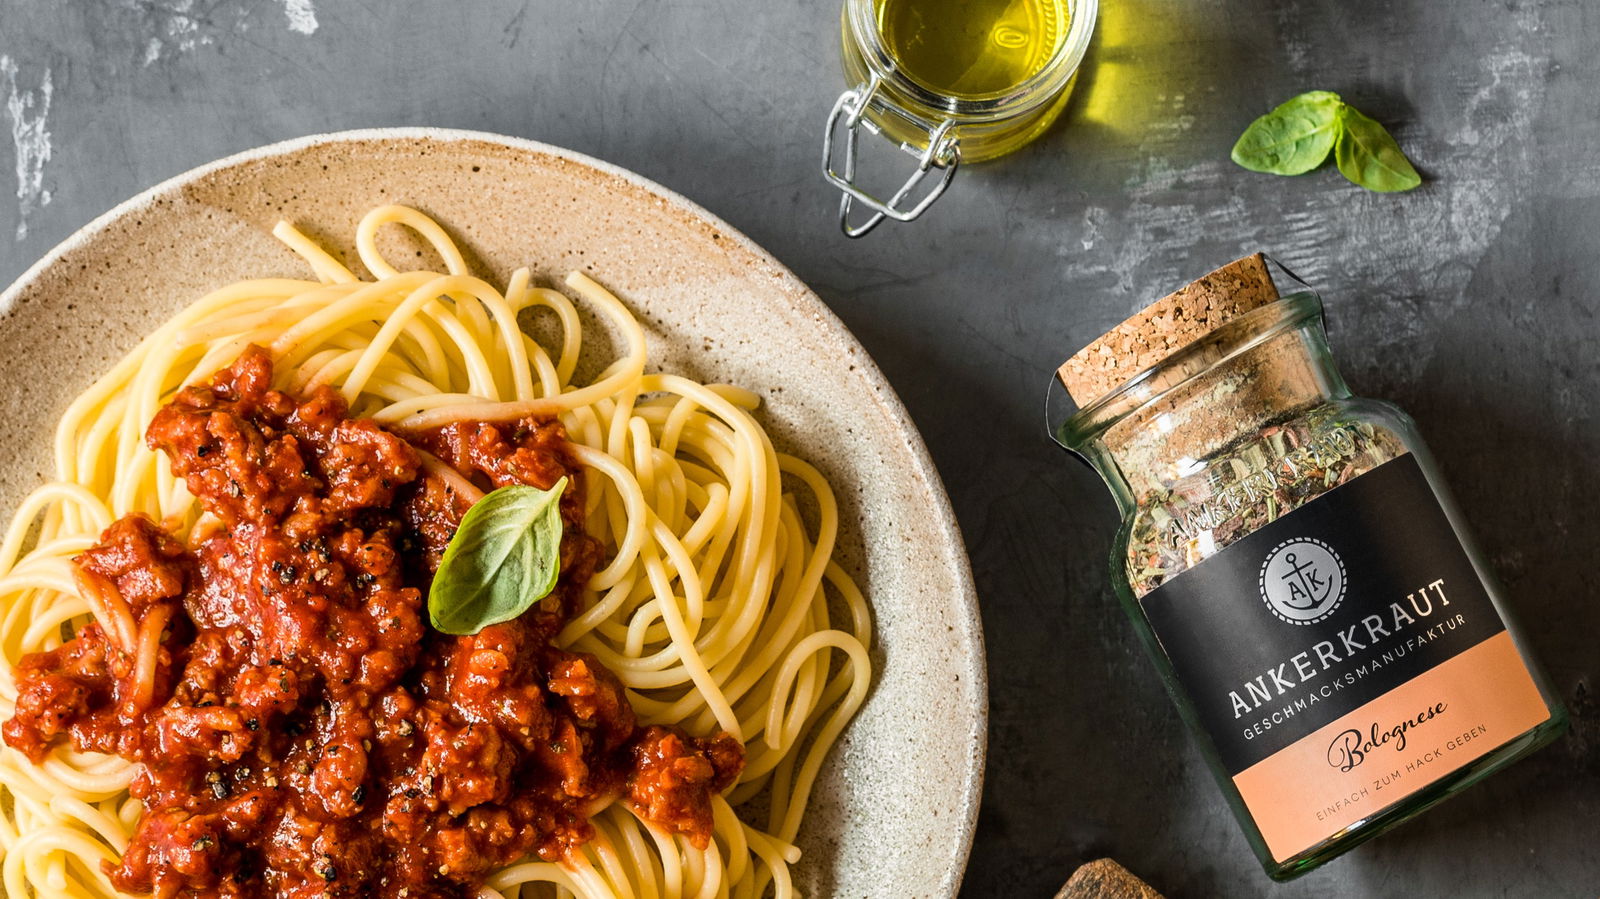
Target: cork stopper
(1166, 326)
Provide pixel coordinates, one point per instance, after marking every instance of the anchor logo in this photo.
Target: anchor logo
(1302, 580)
(1306, 589)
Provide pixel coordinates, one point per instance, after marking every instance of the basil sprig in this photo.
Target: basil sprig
(1368, 155)
(504, 558)
(1292, 139)
(1298, 135)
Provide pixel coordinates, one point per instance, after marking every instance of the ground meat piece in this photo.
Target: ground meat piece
(66, 690)
(365, 466)
(593, 695)
(675, 777)
(142, 561)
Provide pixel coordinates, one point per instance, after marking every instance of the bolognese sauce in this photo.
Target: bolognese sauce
(300, 730)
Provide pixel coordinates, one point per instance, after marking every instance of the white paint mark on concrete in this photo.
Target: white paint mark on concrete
(173, 27)
(302, 16)
(182, 29)
(1093, 216)
(27, 110)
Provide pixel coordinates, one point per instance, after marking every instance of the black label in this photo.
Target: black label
(1320, 612)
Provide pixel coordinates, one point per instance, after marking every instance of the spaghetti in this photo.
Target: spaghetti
(710, 602)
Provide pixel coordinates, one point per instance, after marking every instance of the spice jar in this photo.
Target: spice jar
(1296, 569)
(948, 81)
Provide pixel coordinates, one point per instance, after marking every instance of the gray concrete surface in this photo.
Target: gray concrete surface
(1471, 302)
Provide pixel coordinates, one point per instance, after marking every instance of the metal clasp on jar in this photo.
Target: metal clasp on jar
(941, 151)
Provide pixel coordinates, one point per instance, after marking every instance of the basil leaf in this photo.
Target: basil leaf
(1368, 155)
(504, 558)
(1292, 139)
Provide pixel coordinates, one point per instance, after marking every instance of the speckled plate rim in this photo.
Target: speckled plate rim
(969, 632)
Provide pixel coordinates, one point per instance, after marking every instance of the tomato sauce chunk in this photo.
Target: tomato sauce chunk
(299, 729)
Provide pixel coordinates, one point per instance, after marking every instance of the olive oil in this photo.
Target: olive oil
(949, 82)
(967, 48)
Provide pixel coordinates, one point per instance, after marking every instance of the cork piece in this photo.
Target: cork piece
(1167, 325)
(1105, 879)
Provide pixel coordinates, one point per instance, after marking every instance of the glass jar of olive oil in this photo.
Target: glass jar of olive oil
(949, 81)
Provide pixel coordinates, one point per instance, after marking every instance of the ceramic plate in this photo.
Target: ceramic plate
(893, 813)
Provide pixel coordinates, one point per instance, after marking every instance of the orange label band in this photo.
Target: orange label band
(1391, 747)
